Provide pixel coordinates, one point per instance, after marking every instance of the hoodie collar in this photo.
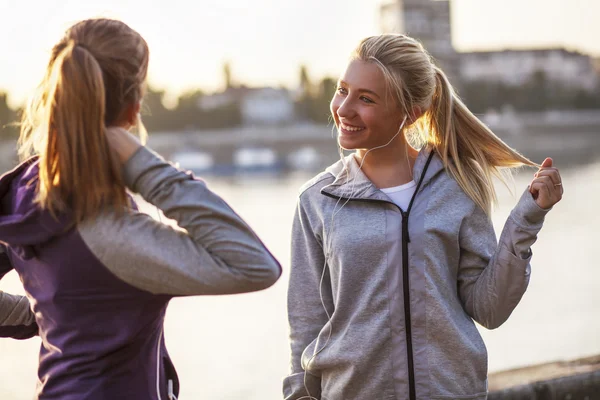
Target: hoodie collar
(23, 223)
(351, 183)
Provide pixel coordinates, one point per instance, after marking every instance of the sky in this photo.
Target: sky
(266, 41)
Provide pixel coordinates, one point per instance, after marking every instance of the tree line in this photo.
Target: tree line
(311, 103)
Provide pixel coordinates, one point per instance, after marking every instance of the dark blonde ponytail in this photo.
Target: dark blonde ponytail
(94, 74)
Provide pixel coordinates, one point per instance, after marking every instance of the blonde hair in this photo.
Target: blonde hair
(95, 72)
(470, 151)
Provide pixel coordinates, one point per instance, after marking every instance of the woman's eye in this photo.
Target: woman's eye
(367, 100)
(341, 90)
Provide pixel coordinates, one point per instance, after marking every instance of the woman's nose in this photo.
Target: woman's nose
(346, 109)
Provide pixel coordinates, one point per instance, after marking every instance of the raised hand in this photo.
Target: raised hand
(546, 186)
(122, 142)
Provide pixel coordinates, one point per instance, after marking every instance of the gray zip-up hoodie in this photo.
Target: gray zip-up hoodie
(458, 273)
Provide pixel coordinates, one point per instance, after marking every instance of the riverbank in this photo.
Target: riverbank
(568, 149)
(576, 379)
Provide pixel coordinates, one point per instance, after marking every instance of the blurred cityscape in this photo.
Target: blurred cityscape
(541, 101)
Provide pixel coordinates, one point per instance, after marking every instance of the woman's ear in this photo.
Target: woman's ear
(132, 113)
(415, 114)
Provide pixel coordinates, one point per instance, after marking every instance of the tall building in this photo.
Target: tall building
(429, 22)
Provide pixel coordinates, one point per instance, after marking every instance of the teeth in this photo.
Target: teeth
(351, 129)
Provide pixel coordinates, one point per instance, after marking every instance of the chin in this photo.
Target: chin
(348, 144)
(351, 143)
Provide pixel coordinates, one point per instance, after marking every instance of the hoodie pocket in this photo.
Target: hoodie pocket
(309, 356)
(458, 367)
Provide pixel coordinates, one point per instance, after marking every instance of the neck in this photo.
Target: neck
(389, 166)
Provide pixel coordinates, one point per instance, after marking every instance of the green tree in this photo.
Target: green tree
(319, 111)
(187, 113)
(156, 116)
(304, 100)
(227, 75)
(191, 116)
(305, 84)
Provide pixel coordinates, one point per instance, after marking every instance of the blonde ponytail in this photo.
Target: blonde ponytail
(471, 152)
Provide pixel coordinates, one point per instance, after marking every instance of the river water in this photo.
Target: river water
(235, 347)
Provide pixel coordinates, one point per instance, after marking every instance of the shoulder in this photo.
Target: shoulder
(326, 177)
(314, 185)
(311, 203)
(447, 196)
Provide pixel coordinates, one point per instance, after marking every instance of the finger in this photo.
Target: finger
(547, 169)
(551, 173)
(551, 193)
(548, 187)
(546, 180)
(547, 162)
(535, 189)
(541, 194)
(540, 183)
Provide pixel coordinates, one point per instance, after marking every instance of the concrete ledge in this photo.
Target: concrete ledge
(572, 380)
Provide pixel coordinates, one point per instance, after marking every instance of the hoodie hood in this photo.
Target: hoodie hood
(23, 224)
(351, 182)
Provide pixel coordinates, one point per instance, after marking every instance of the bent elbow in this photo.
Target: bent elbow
(271, 272)
(492, 324)
(262, 276)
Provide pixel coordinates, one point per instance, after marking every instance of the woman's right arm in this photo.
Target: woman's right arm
(17, 321)
(212, 252)
(306, 314)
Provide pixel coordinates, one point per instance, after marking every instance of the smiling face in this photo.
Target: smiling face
(365, 116)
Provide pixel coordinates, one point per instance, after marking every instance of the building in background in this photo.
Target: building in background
(258, 106)
(267, 106)
(429, 22)
(517, 67)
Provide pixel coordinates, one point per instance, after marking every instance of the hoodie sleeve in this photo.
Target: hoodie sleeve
(212, 251)
(306, 314)
(17, 320)
(5, 264)
(493, 276)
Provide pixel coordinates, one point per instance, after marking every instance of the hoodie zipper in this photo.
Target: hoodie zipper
(170, 392)
(158, 365)
(405, 274)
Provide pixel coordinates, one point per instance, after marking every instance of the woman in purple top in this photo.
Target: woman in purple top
(98, 274)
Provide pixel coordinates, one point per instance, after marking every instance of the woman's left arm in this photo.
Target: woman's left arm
(493, 276)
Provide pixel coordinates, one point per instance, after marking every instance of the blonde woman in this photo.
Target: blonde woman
(394, 255)
(100, 275)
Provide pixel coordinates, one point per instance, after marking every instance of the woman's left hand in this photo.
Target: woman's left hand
(122, 142)
(546, 186)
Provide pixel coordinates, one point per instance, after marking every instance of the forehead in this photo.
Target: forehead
(364, 75)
